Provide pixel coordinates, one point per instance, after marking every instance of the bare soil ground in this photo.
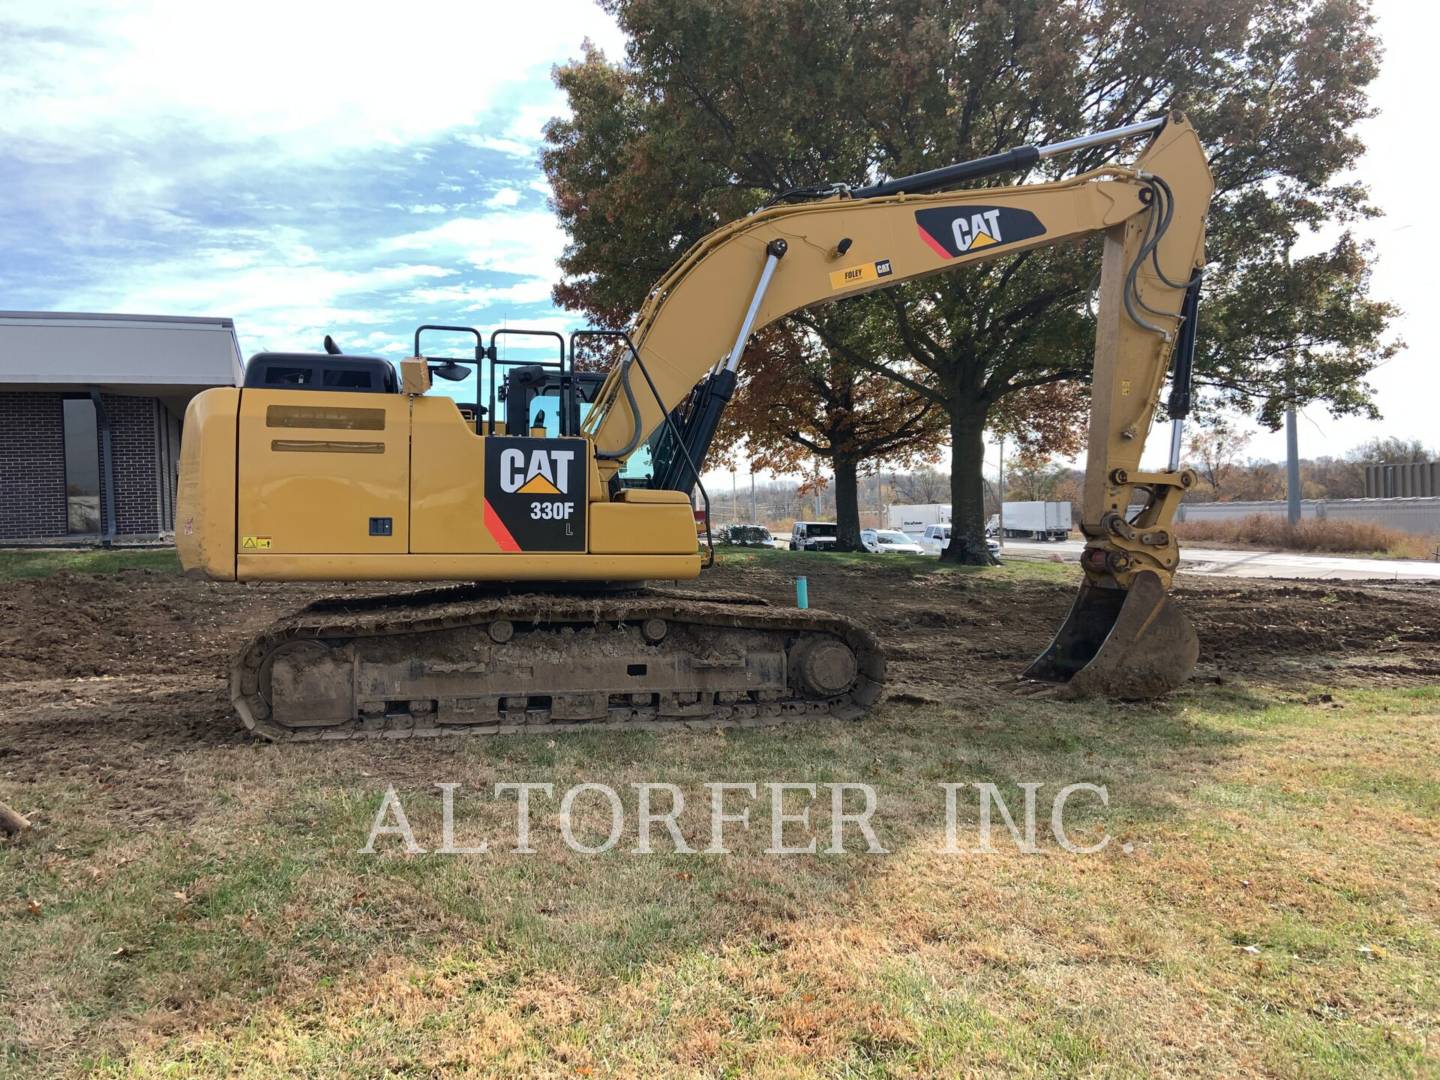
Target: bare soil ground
(94, 663)
(192, 901)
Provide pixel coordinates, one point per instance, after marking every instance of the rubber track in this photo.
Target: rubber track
(346, 618)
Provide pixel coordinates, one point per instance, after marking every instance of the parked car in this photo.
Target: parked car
(890, 542)
(746, 536)
(812, 536)
(937, 538)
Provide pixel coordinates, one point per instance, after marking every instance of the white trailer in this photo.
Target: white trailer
(1035, 520)
(912, 518)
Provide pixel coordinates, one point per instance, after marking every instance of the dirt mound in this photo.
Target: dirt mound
(1257, 626)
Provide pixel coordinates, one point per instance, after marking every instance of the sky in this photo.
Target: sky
(301, 173)
(305, 174)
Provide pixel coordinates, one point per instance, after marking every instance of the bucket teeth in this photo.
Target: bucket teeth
(1130, 644)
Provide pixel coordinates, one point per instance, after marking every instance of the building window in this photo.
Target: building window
(82, 465)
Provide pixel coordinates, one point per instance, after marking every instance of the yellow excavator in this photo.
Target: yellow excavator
(326, 467)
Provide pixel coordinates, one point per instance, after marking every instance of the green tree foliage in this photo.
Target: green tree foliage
(719, 105)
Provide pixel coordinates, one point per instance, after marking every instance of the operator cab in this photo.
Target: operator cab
(321, 371)
(525, 396)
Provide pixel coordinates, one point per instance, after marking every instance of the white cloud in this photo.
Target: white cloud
(272, 300)
(512, 147)
(525, 131)
(528, 124)
(74, 76)
(522, 242)
(480, 297)
(174, 107)
(377, 341)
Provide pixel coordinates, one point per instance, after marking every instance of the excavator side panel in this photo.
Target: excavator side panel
(205, 501)
(323, 473)
(295, 485)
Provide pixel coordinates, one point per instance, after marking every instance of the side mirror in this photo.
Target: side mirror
(450, 371)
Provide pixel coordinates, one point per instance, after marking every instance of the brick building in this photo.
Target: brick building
(90, 414)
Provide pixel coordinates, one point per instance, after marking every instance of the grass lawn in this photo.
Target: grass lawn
(39, 563)
(1266, 904)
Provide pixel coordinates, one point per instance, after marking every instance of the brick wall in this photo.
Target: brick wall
(135, 446)
(32, 466)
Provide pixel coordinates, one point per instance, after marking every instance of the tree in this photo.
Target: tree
(921, 486)
(799, 399)
(1257, 481)
(1216, 452)
(1031, 478)
(1044, 421)
(721, 105)
(1332, 478)
(1390, 450)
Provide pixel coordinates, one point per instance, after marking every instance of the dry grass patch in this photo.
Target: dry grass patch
(1264, 920)
(1311, 534)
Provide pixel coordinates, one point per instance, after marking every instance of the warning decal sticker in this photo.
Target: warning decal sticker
(859, 275)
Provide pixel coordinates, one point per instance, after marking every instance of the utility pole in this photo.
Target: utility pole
(754, 514)
(1000, 496)
(1292, 452)
(734, 499)
(1292, 468)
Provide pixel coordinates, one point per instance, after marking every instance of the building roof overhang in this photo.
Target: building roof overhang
(162, 355)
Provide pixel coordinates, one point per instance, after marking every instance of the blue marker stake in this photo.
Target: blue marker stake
(802, 593)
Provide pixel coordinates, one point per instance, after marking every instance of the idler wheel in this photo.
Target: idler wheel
(823, 666)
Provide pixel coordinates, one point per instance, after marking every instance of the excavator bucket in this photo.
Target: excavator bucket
(1132, 644)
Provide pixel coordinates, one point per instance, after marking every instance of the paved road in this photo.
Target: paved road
(1271, 564)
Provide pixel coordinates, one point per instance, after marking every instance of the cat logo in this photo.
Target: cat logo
(540, 472)
(981, 230)
(952, 231)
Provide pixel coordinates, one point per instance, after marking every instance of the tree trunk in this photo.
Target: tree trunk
(847, 505)
(967, 490)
